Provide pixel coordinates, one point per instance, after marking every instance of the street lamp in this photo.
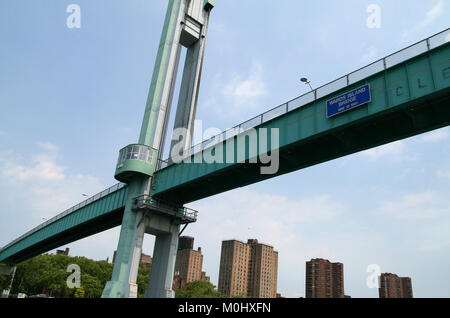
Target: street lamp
(305, 80)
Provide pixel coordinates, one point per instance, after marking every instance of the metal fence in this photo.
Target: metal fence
(349, 79)
(69, 211)
(146, 201)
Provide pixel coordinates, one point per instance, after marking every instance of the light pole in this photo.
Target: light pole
(305, 80)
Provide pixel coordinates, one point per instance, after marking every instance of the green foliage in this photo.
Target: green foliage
(47, 274)
(3, 282)
(199, 289)
(142, 281)
(79, 293)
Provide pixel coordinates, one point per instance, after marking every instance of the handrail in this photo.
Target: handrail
(384, 63)
(181, 211)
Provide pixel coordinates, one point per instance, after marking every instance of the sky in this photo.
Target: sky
(71, 98)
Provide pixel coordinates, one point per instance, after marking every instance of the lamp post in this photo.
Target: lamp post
(307, 82)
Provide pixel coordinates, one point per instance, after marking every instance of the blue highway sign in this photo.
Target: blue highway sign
(348, 101)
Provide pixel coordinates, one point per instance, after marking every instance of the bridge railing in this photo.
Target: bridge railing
(147, 202)
(347, 80)
(80, 205)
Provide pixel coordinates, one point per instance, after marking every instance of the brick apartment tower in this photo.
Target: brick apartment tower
(392, 286)
(324, 279)
(248, 269)
(145, 261)
(188, 265)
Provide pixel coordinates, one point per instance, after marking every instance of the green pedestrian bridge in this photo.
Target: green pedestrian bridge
(410, 95)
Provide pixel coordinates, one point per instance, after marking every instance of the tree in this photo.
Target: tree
(199, 289)
(92, 286)
(3, 282)
(79, 293)
(142, 281)
(47, 274)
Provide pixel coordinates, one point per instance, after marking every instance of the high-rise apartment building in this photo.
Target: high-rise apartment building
(188, 265)
(324, 279)
(186, 243)
(145, 261)
(392, 286)
(248, 269)
(63, 252)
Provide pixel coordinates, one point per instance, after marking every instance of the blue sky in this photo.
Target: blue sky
(71, 98)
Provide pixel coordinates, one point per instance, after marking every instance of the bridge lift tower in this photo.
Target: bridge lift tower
(186, 24)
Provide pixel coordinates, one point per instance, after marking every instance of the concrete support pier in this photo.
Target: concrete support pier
(164, 256)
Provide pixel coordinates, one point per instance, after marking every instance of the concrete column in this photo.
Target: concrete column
(123, 281)
(163, 265)
(131, 291)
(11, 271)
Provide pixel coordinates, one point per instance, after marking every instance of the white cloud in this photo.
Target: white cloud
(436, 135)
(236, 97)
(425, 205)
(43, 166)
(394, 149)
(41, 184)
(432, 15)
(48, 146)
(444, 174)
(244, 89)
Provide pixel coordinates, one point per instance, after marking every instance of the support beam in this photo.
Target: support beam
(163, 265)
